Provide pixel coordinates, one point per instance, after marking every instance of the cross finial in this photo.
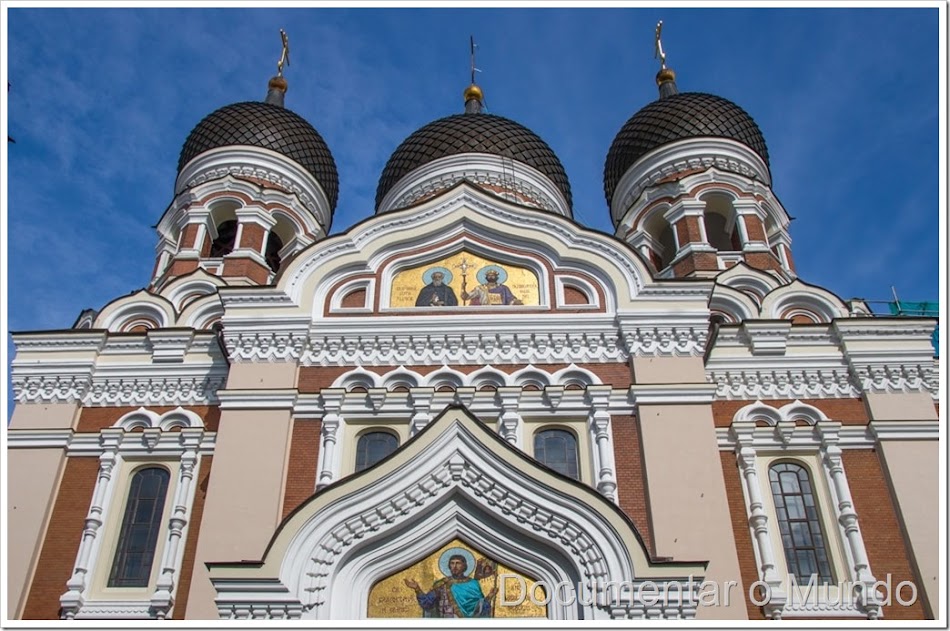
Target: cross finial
(658, 45)
(284, 53)
(471, 40)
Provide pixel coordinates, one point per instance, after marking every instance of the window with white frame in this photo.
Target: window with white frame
(809, 549)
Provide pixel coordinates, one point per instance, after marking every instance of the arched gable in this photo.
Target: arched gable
(455, 479)
(461, 220)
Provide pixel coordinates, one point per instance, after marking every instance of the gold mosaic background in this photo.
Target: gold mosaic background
(406, 285)
(390, 598)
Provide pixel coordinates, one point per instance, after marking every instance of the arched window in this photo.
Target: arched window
(799, 523)
(557, 449)
(272, 251)
(224, 242)
(141, 524)
(373, 447)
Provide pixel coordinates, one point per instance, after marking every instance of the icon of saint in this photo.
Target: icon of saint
(458, 595)
(437, 293)
(492, 291)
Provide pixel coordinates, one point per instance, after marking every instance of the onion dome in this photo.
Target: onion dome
(682, 115)
(476, 132)
(270, 126)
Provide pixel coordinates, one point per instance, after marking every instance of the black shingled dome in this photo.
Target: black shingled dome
(259, 124)
(472, 133)
(679, 116)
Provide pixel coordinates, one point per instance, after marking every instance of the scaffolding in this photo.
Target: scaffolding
(909, 309)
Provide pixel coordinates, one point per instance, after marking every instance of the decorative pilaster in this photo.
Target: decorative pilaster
(848, 519)
(758, 519)
(509, 421)
(421, 399)
(327, 465)
(601, 436)
(76, 586)
(164, 596)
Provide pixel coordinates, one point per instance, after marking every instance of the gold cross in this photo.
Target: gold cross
(284, 53)
(658, 45)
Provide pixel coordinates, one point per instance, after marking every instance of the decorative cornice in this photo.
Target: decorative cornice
(684, 156)
(430, 348)
(155, 443)
(648, 394)
(769, 382)
(257, 399)
(479, 168)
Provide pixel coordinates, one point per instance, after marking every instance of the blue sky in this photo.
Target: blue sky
(102, 100)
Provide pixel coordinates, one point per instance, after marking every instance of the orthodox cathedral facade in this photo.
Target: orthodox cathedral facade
(470, 405)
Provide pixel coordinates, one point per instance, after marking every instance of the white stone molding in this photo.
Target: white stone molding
(755, 282)
(187, 288)
(453, 480)
(782, 433)
(797, 295)
(178, 434)
(421, 399)
(678, 335)
(265, 345)
(262, 164)
(767, 337)
(118, 386)
(731, 159)
(72, 601)
(528, 185)
(163, 598)
(141, 307)
(601, 437)
(328, 460)
(405, 376)
(736, 304)
(510, 423)
(901, 361)
(366, 284)
(430, 346)
(562, 281)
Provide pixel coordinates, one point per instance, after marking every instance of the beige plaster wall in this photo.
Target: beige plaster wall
(44, 416)
(913, 468)
(688, 505)
(245, 492)
(253, 375)
(668, 370)
(918, 406)
(29, 502)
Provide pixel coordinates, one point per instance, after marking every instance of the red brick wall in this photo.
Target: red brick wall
(58, 553)
(354, 300)
(252, 236)
(191, 545)
(740, 530)
(574, 296)
(189, 236)
(762, 260)
(881, 528)
(631, 485)
(754, 228)
(848, 411)
(247, 268)
(95, 419)
(302, 468)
